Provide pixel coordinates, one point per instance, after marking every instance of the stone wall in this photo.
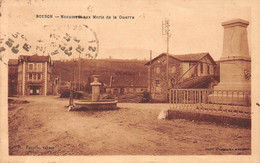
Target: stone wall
(159, 91)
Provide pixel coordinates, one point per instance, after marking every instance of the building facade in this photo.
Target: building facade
(184, 71)
(34, 75)
(116, 90)
(12, 77)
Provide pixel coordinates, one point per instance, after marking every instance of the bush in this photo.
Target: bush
(66, 94)
(146, 97)
(108, 96)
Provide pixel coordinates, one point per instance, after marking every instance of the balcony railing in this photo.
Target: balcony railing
(234, 101)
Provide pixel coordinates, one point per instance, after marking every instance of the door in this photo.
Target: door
(34, 90)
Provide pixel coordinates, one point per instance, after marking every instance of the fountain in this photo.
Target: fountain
(95, 103)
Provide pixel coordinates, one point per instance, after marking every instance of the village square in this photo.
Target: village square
(138, 81)
(184, 104)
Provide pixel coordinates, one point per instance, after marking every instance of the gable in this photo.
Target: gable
(208, 59)
(161, 58)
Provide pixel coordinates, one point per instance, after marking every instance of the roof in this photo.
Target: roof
(129, 80)
(124, 80)
(196, 82)
(13, 62)
(34, 58)
(193, 57)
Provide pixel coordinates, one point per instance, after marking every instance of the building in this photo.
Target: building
(31, 74)
(12, 77)
(126, 84)
(116, 90)
(184, 71)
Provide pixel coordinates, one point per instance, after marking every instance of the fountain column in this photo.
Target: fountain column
(95, 88)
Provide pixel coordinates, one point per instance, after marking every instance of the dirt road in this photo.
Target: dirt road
(45, 127)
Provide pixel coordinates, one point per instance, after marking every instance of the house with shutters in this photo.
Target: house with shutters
(32, 75)
(184, 71)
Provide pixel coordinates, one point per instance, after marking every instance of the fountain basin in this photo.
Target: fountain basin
(105, 104)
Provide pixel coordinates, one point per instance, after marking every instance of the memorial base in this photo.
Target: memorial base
(237, 98)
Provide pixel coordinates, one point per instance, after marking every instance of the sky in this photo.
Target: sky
(195, 26)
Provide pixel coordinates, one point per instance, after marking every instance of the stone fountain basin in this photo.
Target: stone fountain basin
(104, 104)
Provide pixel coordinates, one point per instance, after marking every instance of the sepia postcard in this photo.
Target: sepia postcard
(129, 81)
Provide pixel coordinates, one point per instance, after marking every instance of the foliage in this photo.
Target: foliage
(146, 97)
(66, 94)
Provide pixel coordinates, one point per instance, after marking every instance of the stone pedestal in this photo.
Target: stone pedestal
(235, 63)
(95, 88)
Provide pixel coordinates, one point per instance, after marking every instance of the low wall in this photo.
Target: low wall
(207, 117)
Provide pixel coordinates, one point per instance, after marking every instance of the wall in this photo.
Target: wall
(206, 62)
(12, 80)
(20, 79)
(117, 90)
(49, 79)
(159, 92)
(29, 83)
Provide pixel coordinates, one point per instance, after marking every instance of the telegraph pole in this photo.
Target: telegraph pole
(166, 31)
(150, 83)
(72, 84)
(79, 72)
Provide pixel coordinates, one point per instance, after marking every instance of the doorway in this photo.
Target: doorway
(34, 90)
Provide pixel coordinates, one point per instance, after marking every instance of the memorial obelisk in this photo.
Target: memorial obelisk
(235, 63)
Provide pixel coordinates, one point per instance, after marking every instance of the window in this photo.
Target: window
(157, 70)
(39, 67)
(173, 69)
(208, 69)
(39, 76)
(201, 68)
(157, 83)
(34, 76)
(30, 66)
(172, 82)
(30, 76)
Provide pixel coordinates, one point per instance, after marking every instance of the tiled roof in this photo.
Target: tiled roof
(129, 80)
(124, 80)
(184, 57)
(196, 82)
(13, 62)
(190, 57)
(34, 58)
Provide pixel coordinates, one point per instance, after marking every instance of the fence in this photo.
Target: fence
(230, 101)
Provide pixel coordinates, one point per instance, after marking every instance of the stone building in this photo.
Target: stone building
(125, 89)
(126, 84)
(34, 75)
(12, 77)
(185, 71)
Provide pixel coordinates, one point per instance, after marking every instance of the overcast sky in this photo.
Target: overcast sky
(195, 26)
